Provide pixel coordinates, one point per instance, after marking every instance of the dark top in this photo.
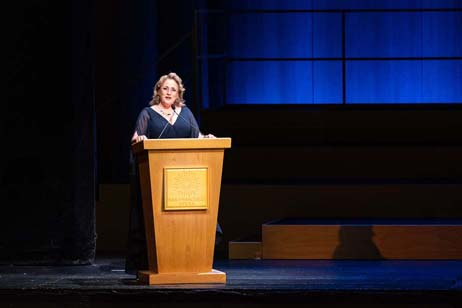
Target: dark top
(154, 126)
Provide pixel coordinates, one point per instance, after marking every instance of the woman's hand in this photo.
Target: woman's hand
(206, 136)
(137, 138)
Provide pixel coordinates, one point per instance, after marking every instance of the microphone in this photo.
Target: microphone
(165, 126)
(189, 123)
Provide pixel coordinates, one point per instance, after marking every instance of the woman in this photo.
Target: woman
(166, 117)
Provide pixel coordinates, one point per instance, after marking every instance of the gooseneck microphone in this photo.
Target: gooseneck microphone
(165, 126)
(189, 123)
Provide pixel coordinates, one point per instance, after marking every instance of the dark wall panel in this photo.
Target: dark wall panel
(384, 81)
(278, 35)
(372, 34)
(442, 81)
(406, 81)
(327, 35)
(442, 34)
(296, 82)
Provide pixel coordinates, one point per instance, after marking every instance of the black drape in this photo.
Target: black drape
(47, 166)
(81, 230)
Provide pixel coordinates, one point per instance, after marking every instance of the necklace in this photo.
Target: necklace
(164, 113)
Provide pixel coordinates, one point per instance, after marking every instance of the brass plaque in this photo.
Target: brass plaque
(185, 189)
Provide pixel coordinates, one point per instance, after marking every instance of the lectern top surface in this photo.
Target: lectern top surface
(186, 143)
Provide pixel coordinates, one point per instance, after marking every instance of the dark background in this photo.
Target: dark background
(48, 161)
(67, 131)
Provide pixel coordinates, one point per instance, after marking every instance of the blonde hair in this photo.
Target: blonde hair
(179, 102)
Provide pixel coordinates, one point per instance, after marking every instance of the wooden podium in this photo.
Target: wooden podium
(180, 187)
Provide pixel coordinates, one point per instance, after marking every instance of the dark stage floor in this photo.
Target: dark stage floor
(250, 283)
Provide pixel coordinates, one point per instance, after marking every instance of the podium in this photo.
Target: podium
(180, 183)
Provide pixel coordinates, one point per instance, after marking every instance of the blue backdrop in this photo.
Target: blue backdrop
(331, 52)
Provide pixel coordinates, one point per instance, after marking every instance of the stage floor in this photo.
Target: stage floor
(254, 282)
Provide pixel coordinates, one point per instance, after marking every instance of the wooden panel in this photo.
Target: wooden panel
(150, 278)
(185, 239)
(419, 242)
(146, 197)
(299, 242)
(302, 125)
(244, 250)
(343, 163)
(409, 241)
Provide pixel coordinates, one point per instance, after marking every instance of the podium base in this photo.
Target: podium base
(151, 278)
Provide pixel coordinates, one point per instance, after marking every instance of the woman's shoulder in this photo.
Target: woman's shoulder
(146, 110)
(186, 110)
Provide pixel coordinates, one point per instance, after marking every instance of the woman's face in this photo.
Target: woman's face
(168, 92)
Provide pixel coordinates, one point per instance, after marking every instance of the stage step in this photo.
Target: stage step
(245, 248)
(362, 239)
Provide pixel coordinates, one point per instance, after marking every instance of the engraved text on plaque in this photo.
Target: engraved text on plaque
(185, 189)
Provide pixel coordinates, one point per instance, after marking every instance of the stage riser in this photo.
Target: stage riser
(263, 203)
(244, 250)
(412, 242)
